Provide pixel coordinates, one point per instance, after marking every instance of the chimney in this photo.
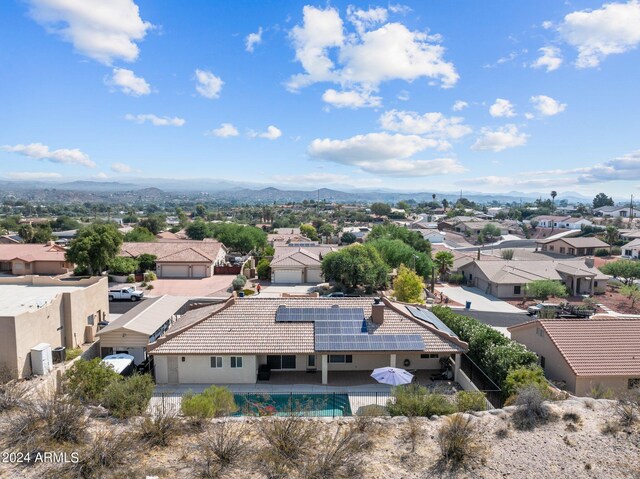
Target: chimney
(377, 311)
(589, 262)
(51, 243)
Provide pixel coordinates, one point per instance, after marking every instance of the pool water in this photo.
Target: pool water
(317, 405)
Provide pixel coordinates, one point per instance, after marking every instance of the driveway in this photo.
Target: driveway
(275, 291)
(480, 301)
(193, 288)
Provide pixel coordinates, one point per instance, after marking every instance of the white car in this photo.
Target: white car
(130, 293)
(121, 363)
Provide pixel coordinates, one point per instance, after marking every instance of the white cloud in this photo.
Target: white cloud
(272, 133)
(33, 175)
(547, 106)
(104, 31)
(515, 182)
(413, 168)
(313, 178)
(547, 25)
(622, 168)
(499, 139)
(502, 108)
(364, 20)
(433, 124)
(550, 58)
(38, 151)
(367, 57)
(121, 168)
(401, 9)
(403, 95)
(252, 40)
(351, 99)
(370, 147)
(156, 120)
(128, 82)
(226, 130)
(460, 105)
(208, 85)
(100, 176)
(596, 34)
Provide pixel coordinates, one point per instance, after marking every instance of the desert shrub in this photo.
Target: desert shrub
(12, 395)
(523, 377)
(98, 458)
(264, 265)
(572, 416)
(87, 380)
(222, 447)
(337, 457)
(531, 410)
(73, 353)
(287, 438)
(627, 409)
(467, 401)
(150, 287)
(416, 400)
(363, 419)
(413, 432)
(507, 254)
(128, 397)
(616, 251)
(239, 282)
(503, 433)
(122, 266)
(212, 402)
(157, 429)
(601, 252)
(131, 279)
(150, 276)
(456, 278)
(459, 442)
(600, 392)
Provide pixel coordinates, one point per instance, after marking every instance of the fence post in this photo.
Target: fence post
(333, 409)
(291, 403)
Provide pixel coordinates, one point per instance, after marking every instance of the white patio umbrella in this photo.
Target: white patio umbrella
(392, 376)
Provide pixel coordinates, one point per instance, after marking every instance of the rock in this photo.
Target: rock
(97, 411)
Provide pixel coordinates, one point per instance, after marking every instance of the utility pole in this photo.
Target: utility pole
(631, 211)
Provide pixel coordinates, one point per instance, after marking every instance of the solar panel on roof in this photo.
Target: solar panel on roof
(428, 317)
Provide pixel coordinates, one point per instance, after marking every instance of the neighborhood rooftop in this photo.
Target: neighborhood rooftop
(18, 298)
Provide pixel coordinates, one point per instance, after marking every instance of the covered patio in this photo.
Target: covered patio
(342, 379)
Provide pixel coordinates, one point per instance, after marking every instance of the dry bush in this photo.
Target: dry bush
(531, 410)
(627, 408)
(336, 457)
(460, 442)
(364, 419)
(572, 416)
(600, 392)
(221, 447)
(413, 432)
(610, 427)
(503, 433)
(12, 392)
(159, 428)
(101, 457)
(288, 437)
(571, 427)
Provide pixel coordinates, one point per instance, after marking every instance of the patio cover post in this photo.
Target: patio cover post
(456, 368)
(325, 369)
(392, 361)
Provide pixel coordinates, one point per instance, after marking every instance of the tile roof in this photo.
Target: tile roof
(183, 251)
(148, 316)
(31, 252)
(300, 256)
(595, 347)
(515, 272)
(248, 326)
(633, 244)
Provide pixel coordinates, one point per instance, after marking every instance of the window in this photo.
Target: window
(562, 250)
(216, 362)
(595, 284)
(90, 320)
(236, 362)
(340, 358)
(633, 383)
(550, 248)
(517, 289)
(542, 362)
(572, 251)
(470, 276)
(429, 356)
(311, 361)
(286, 361)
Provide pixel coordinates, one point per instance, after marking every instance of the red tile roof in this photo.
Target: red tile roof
(175, 251)
(32, 252)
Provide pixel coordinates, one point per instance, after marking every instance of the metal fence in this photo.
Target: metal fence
(482, 381)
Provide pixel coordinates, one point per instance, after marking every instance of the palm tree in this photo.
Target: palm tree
(443, 260)
(445, 203)
(553, 198)
(611, 235)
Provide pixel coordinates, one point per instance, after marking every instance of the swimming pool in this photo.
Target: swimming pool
(317, 405)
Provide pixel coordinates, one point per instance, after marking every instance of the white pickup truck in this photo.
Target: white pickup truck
(130, 293)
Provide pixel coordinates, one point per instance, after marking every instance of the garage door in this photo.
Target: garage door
(287, 276)
(199, 271)
(314, 276)
(175, 271)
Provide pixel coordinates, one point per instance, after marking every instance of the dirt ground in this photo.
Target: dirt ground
(611, 299)
(565, 448)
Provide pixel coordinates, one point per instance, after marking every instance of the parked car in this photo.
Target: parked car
(533, 310)
(336, 294)
(130, 294)
(121, 363)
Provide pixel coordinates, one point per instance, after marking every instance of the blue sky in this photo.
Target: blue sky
(491, 96)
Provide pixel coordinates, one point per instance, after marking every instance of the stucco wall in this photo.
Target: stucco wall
(197, 369)
(160, 367)
(615, 383)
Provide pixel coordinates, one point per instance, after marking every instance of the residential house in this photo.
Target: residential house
(449, 224)
(32, 258)
(143, 324)
(330, 336)
(433, 236)
(584, 246)
(616, 211)
(474, 228)
(563, 222)
(507, 279)
(10, 239)
(180, 258)
(632, 249)
(39, 309)
(298, 264)
(585, 353)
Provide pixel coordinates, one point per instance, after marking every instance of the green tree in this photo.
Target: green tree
(393, 231)
(553, 199)
(123, 266)
(380, 209)
(348, 238)
(147, 262)
(443, 261)
(395, 252)
(525, 376)
(632, 291)
(140, 234)
(41, 234)
(626, 269)
(64, 223)
(309, 231)
(611, 234)
(87, 380)
(601, 200)
(94, 247)
(239, 238)
(154, 223)
(354, 265)
(201, 211)
(490, 232)
(325, 230)
(403, 205)
(26, 232)
(408, 286)
(543, 289)
(198, 230)
(263, 268)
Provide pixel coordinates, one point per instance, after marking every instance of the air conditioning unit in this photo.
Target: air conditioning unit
(41, 359)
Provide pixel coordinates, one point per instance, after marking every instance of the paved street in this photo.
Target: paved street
(479, 301)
